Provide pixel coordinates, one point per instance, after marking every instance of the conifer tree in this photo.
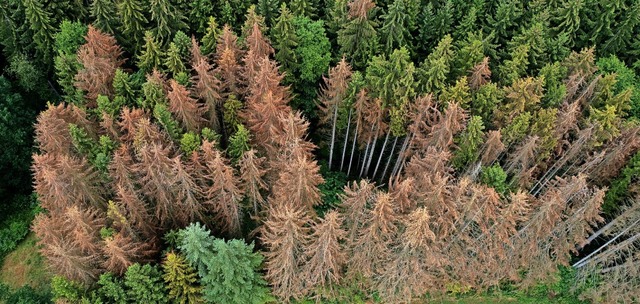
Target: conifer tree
(40, 23)
(173, 61)
(433, 72)
(326, 256)
(186, 109)
(285, 235)
(144, 283)
(122, 251)
(181, 280)
(133, 21)
(469, 143)
(268, 9)
(150, 56)
(358, 38)
(252, 173)
(103, 12)
(211, 35)
(199, 15)
(166, 19)
(285, 39)
(238, 143)
(332, 96)
(303, 8)
(394, 32)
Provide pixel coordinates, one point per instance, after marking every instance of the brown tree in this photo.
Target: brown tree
(285, 234)
(186, 109)
(251, 174)
(99, 58)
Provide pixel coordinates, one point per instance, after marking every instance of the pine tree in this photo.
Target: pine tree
(181, 280)
(144, 283)
(394, 32)
(103, 12)
(303, 8)
(173, 61)
(150, 56)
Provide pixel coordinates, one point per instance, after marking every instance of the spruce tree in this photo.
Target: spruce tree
(181, 280)
(40, 23)
(284, 35)
(394, 32)
(133, 21)
(211, 35)
(173, 60)
(166, 19)
(144, 283)
(151, 55)
(199, 15)
(469, 143)
(103, 13)
(303, 8)
(358, 38)
(268, 9)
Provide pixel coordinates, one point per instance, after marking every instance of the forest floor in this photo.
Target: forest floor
(25, 266)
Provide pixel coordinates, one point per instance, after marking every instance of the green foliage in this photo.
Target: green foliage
(313, 50)
(285, 41)
(554, 88)
(16, 117)
(394, 32)
(358, 40)
(124, 88)
(459, 93)
(162, 114)
(303, 8)
(435, 24)
(151, 54)
(495, 177)
(469, 143)
(189, 143)
(64, 289)
(239, 143)
(166, 19)
(103, 13)
(173, 61)
(485, 101)
(24, 295)
(15, 221)
(625, 79)
(39, 21)
(618, 192)
(210, 36)
(29, 77)
(433, 72)
(144, 284)
(331, 189)
(199, 17)
(69, 37)
(232, 107)
(228, 270)
(181, 280)
(132, 21)
(111, 107)
(517, 129)
(210, 135)
(111, 289)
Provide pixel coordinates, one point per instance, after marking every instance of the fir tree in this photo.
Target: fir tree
(133, 21)
(166, 19)
(285, 37)
(211, 35)
(151, 55)
(181, 280)
(103, 12)
(40, 23)
(303, 8)
(358, 38)
(394, 32)
(144, 283)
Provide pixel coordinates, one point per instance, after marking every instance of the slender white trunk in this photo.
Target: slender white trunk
(401, 155)
(586, 259)
(333, 134)
(366, 151)
(386, 167)
(353, 149)
(346, 141)
(372, 151)
(384, 146)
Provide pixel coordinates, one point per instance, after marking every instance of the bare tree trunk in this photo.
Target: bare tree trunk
(386, 167)
(353, 149)
(586, 259)
(333, 134)
(346, 141)
(373, 150)
(366, 151)
(384, 146)
(401, 155)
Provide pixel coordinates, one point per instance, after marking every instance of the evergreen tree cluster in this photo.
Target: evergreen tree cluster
(481, 140)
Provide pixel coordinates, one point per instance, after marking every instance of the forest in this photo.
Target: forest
(320, 151)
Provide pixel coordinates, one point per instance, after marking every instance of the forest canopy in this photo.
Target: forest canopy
(282, 151)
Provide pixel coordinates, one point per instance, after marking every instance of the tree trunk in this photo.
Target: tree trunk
(386, 167)
(333, 134)
(401, 155)
(366, 151)
(346, 141)
(373, 150)
(353, 148)
(586, 259)
(384, 147)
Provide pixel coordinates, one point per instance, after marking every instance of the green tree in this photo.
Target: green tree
(284, 36)
(313, 50)
(123, 87)
(485, 101)
(433, 72)
(239, 143)
(133, 22)
(358, 38)
(166, 19)
(469, 143)
(162, 114)
(67, 42)
(516, 67)
(435, 24)
(505, 21)
(394, 32)
(144, 284)
(151, 54)
(103, 13)
(268, 9)
(567, 19)
(554, 88)
(173, 61)
(64, 289)
(181, 280)
(40, 23)
(496, 178)
(228, 270)
(111, 289)
(200, 14)
(210, 37)
(303, 8)
(189, 143)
